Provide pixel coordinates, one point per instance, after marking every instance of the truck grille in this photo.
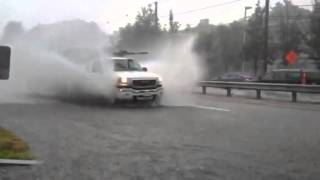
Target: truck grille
(144, 83)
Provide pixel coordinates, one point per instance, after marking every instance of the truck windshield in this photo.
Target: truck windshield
(126, 65)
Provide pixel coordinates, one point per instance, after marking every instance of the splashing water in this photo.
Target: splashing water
(52, 61)
(180, 69)
(47, 62)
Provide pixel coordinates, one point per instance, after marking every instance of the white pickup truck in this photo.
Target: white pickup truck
(133, 81)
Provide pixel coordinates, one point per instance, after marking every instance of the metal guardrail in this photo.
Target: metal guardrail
(258, 87)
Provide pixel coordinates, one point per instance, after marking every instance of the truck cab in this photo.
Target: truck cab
(133, 82)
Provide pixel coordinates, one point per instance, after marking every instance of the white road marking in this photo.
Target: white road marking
(210, 108)
(204, 107)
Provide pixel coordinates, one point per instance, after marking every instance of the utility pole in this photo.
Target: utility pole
(266, 37)
(156, 13)
(245, 34)
(171, 21)
(287, 33)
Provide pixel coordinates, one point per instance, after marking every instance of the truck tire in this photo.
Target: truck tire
(157, 101)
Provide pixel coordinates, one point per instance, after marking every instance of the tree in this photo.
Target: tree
(174, 25)
(286, 25)
(230, 44)
(254, 44)
(145, 21)
(224, 43)
(315, 30)
(220, 46)
(207, 47)
(144, 31)
(188, 28)
(12, 31)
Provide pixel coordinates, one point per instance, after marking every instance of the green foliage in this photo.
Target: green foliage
(142, 32)
(13, 147)
(145, 21)
(174, 25)
(230, 45)
(254, 43)
(315, 30)
(12, 31)
(16, 155)
(220, 46)
(287, 18)
(188, 28)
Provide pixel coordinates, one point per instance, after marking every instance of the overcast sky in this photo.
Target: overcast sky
(112, 14)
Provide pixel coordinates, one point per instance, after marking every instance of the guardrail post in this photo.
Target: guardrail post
(294, 96)
(204, 90)
(229, 92)
(258, 94)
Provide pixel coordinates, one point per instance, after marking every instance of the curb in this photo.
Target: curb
(19, 162)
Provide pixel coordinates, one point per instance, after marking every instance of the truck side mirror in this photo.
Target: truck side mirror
(5, 53)
(144, 69)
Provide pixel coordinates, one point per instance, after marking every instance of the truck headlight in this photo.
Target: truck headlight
(123, 81)
(160, 80)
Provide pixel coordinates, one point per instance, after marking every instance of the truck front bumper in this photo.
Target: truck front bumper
(130, 93)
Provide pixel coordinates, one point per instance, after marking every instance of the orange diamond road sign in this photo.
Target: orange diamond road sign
(291, 57)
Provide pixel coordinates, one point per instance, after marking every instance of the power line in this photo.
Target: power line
(204, 8)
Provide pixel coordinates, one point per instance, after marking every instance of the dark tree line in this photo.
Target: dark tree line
(224, 47)
(142, 32)
(315, 29)
(252, 49)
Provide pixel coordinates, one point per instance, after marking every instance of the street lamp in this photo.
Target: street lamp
(245, 11)
(245, 23)
(245, 32)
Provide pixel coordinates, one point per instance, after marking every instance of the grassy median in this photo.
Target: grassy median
(13, 147)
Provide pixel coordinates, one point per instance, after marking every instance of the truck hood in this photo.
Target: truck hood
(137, 74)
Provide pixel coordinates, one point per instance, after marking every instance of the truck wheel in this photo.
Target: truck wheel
(112, 101)
(156, 101)
(134, 99)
